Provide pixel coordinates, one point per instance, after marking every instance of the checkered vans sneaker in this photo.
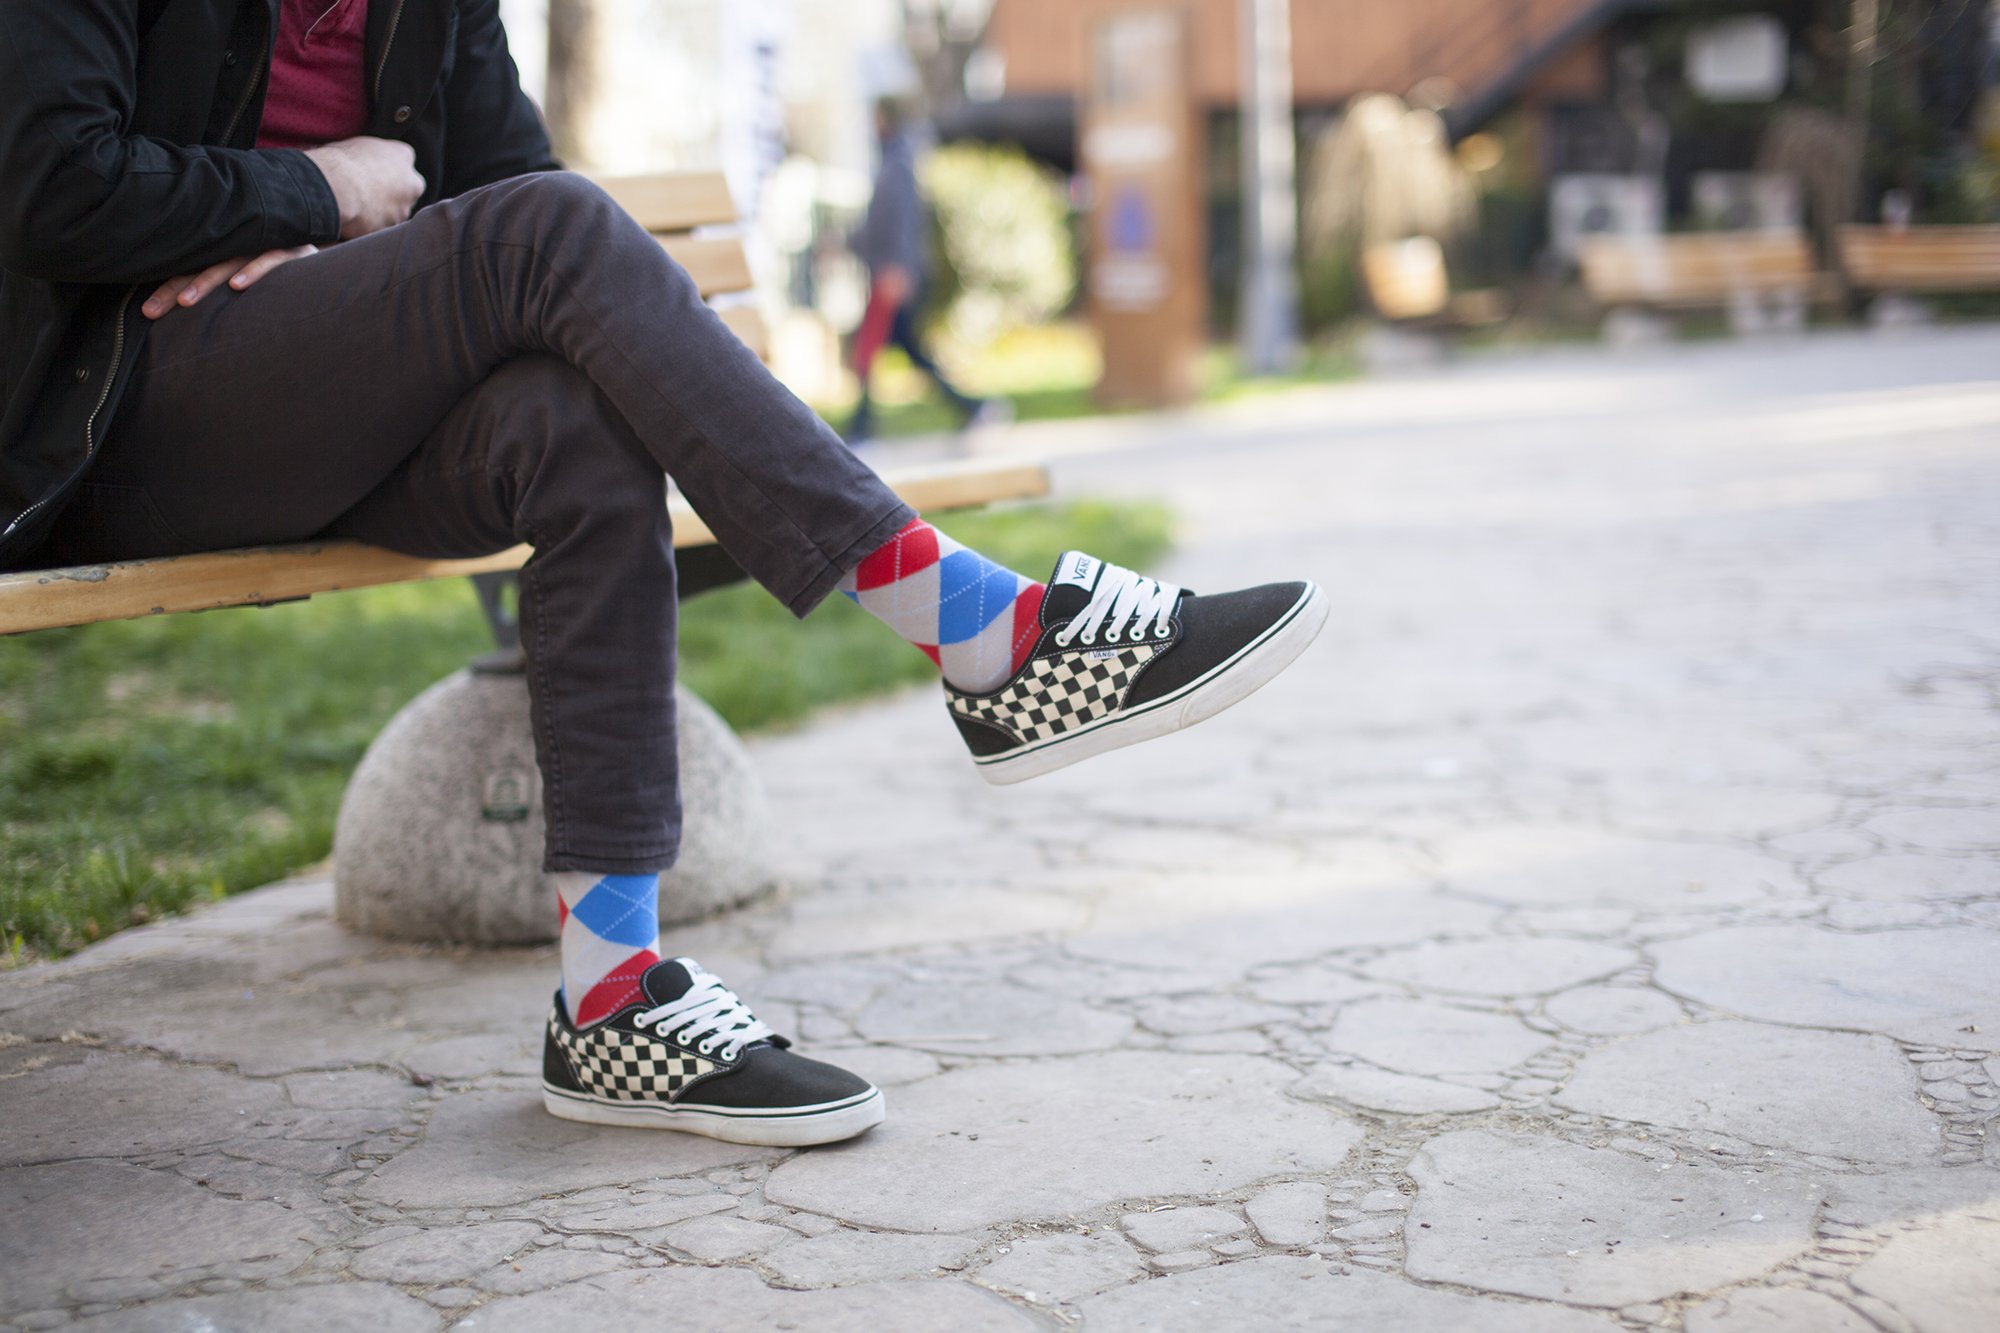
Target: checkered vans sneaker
(692, 1057)
(1124, 659)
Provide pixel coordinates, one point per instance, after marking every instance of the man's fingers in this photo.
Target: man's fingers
(165, 298)
(180, 293)
(267, 261)
(206, 281)
(238, 273)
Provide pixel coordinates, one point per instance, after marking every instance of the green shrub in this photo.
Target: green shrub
(1005, 247)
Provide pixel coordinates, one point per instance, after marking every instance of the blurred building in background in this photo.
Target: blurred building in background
(1461, 145)
(1572, 116)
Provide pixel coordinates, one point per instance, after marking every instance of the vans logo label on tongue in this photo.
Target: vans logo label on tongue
(1078, 570)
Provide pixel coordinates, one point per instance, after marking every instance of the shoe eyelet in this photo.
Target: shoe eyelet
(706, 1048)
(1114, 636)
(1162, 632)
(1087, 640)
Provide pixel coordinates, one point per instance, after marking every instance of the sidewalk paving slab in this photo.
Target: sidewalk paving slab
(1599, 929)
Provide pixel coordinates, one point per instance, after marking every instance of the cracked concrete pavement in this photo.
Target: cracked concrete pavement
(1599, 929)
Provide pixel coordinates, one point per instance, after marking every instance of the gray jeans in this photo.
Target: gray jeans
(520, 364)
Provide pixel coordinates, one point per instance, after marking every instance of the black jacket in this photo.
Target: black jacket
(125, 159)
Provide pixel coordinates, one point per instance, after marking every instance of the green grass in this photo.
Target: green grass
(1049, 374)
(156, 763)
(1224, 380)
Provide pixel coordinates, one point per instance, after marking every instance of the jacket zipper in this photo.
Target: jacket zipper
(90, 424)
(382, 66)
(110, 376)
(256, 82)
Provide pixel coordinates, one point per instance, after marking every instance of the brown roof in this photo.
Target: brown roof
(1339, 47)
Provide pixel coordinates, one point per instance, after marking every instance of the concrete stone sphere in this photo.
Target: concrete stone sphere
(440, 833)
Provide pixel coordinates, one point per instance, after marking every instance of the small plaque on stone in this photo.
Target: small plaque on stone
(507, 797)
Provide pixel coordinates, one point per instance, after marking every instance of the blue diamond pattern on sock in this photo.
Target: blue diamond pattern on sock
(623, 909)
(973, 592)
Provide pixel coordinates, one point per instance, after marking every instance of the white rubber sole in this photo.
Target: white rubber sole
(1252, 667)
(794, 1127)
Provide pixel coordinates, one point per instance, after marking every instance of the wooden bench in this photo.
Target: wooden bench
(1921, 259)
(1701, 270)
(684, 210)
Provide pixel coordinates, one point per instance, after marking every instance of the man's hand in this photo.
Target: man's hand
(375, 182)
(238, 273)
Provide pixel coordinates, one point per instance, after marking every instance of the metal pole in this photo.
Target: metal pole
(1268, 327)
(572, 73)
(1861, 38)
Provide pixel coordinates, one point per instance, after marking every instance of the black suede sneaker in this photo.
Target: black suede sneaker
(1124, 659)
(692, 1057)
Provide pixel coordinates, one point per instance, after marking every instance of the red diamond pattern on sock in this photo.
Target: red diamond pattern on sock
(618, 988)
(913, 549)
(1027, 623)
(977, 620)
(610, 936)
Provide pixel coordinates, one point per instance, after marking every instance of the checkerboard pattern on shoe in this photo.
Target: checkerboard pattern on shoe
(1120, 659)
(626, 1066)
(1053, 694)
(688, 1055)
(977, 620)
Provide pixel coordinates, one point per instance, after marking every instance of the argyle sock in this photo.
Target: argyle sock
(977, 620)
(610, 936)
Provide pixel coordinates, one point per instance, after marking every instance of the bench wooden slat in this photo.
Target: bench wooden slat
(1927, 258)
(747, 323)
(716, 263)
(673, 201)
(48, 599)
(1703, 268)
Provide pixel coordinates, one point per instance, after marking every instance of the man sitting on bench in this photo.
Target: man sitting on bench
(488, 351)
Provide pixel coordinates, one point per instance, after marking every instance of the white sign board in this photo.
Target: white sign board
(1739, 59)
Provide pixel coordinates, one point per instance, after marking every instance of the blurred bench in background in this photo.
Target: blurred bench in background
(1763, 279)
(1896, 261)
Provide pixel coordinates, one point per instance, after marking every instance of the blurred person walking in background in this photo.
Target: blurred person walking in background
(894, 242)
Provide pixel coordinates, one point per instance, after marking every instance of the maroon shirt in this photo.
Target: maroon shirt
(319, 81)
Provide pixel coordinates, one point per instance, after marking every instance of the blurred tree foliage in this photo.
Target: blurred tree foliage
(1005, 244)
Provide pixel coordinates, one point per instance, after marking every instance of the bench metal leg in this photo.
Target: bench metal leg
(500, 599)
(700, 569)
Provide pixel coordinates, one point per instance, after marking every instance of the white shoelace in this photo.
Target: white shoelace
(709, 1011)
(1123, 597)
